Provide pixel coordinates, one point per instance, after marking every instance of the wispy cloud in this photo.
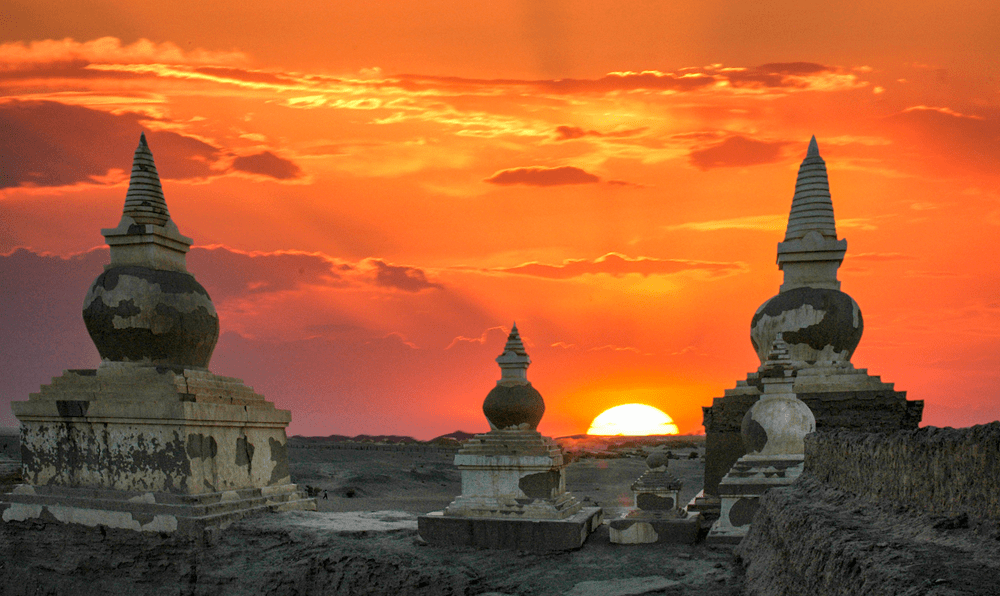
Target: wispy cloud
(267, 164)
(737, 151)
(20, 55)
(618, 265)
(481, 340)
(764, 223)
(543, 176)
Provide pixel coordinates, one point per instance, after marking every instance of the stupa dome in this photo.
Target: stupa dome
(146, 307)
(779, 421)
(514, 402)
(819, 325)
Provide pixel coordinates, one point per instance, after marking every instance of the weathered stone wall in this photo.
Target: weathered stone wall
(811, 539)
(910, 512)
(946, 471)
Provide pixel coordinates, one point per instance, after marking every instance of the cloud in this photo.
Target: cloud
(566, 133)
(618, 265)
(790, 76)
(52, 144)
(542, 176)
(737, 151)
(625, 183)
(880, 256)
(481, 340)
(266, 163)
(232, 273)
(408, 279)
(18, 55)
(764, 223)
(965, 141)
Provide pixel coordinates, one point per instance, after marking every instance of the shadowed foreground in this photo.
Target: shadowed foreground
(304, 553)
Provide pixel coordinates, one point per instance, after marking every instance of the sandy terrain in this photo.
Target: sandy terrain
(363, 540)
(420, 480)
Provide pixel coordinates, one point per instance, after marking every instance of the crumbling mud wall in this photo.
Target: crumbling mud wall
(946, 471)
(911, 512)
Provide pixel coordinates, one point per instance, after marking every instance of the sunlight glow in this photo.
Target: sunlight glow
(632, 420)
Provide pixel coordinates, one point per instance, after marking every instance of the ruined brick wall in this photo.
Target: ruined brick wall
(943, 471)
(881, 514)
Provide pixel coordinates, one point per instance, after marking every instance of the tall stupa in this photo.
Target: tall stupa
(513, 478)
(150, 440)
(820, 326)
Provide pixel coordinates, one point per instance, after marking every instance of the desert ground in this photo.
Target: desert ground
(363, 539)
(415, 480)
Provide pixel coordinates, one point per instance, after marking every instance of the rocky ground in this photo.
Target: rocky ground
(421, 480)
(364, 540)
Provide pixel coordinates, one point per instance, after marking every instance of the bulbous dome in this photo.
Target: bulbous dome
(512, 405)
(139, 314)
(819, 325)
(146, 307)
(777, 425)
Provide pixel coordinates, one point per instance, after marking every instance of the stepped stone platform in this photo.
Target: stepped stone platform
(150, 448)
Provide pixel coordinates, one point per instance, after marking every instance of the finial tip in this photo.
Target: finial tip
(813, 148)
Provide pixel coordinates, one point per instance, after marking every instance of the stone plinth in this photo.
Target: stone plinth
(513, 496)
(515, 473)
(535, 535)
(676, 526)
(657, 517)
(150, 448)
(741, 489)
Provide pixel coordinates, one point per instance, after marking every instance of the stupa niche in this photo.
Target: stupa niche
(150, 440)
(513, 479)
(820, 327)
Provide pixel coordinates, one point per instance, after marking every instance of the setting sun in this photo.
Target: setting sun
(632, 420)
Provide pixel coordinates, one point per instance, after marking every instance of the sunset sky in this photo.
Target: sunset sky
(377, 190)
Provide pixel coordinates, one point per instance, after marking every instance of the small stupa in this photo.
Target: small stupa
(773, 432)
(821, 327)
(150, 440)
(657, 516)
(513, 478)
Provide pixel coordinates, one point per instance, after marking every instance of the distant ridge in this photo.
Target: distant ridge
(457, 435)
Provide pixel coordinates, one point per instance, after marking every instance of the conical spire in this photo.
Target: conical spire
(144, 201)
(514, 361)
(811, 254)
(812, 208)
(146, 236)
(514, 343)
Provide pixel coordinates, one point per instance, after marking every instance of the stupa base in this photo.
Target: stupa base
(506, 533)
(644, 527)
(148, 512)
(741, 489)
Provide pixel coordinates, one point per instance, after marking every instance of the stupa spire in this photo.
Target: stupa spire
(514, 361)
(812, 208)
(144, 202)
(146, 236)
(811, 253)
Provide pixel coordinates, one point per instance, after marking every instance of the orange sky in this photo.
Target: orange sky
(378, 189)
